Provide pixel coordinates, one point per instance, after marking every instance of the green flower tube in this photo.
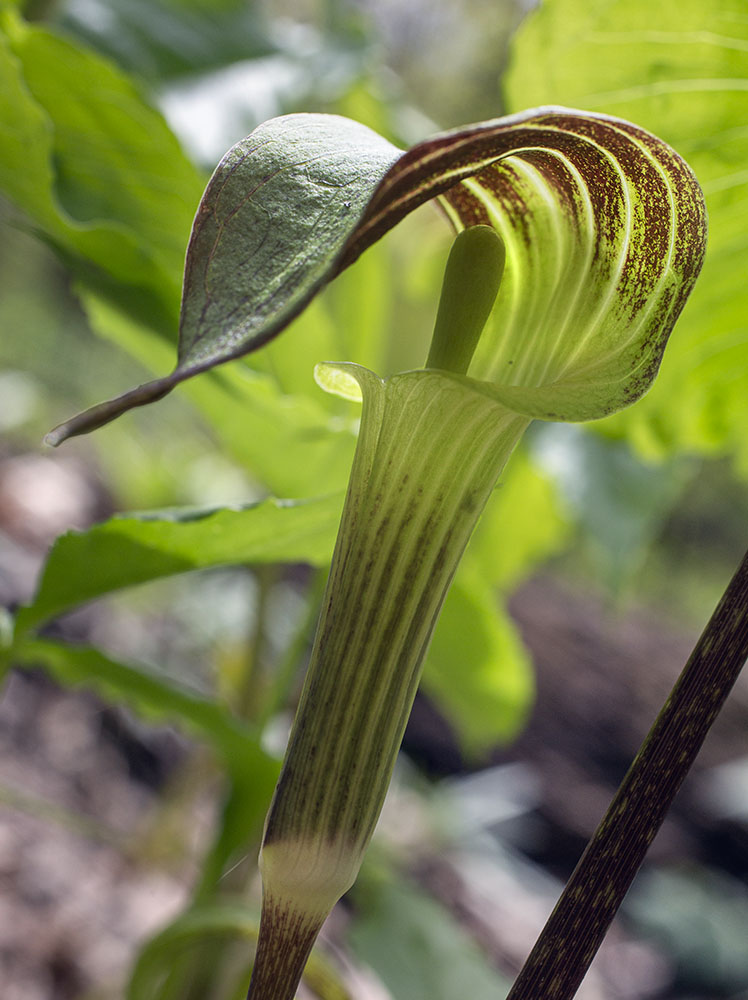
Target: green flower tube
(431, 447)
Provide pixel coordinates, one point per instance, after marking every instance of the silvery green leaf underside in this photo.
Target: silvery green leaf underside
(604, 226)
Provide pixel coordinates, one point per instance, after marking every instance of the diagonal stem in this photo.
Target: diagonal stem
(574, 931)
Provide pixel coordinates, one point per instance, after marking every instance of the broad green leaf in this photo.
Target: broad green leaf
(239, 826)
(155, 698)
(352, 318)
(360, 304)
(291, 359)
(477, 669)
(681, 70)
(291, 444)
(417, 947)
(95, 169)
(132, 549)
(603, 226)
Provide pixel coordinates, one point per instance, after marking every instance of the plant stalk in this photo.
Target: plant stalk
(574, 931)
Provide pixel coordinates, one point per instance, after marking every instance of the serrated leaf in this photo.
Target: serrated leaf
(681, 70)
(136, 548)
(603, 223)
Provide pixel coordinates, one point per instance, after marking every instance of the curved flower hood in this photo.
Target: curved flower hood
(604, 227)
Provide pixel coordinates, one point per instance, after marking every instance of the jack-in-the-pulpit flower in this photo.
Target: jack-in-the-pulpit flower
(603, 230)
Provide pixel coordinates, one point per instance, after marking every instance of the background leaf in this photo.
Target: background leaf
(278, 428)
(618, 500)
(194, 932)
(502, 556)
(217, 921)
(477, 669)
(133, 549)
(162, 39)
(417, 948)
(96, 169)
(157, 698)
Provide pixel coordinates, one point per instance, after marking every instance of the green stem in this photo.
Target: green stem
(580, 920)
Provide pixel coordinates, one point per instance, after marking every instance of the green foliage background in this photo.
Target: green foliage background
(92, 169)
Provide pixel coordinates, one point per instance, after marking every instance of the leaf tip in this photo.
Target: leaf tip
(103, 413)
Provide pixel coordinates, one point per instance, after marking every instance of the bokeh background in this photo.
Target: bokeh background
(617, 539)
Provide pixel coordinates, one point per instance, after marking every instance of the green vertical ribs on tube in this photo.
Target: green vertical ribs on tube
(431, 447)
(430, 451)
